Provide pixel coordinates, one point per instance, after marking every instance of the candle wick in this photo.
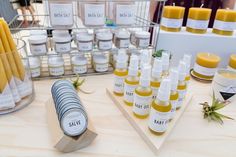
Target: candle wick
(173, 4)
(202, 5)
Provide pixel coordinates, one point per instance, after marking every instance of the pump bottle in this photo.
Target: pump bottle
(174, 95)
(187, 60)
(165, 63)
(156, 77)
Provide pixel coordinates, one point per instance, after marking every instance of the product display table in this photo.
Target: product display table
(26, 133)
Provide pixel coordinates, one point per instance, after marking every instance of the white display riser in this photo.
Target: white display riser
(179, 43)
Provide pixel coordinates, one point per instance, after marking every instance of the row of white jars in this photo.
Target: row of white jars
(79, 64)
(86, 41)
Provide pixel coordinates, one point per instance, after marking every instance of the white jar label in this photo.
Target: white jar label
(182, 94)
(101, 67)
(61, 14)
(142, 104)
(105, 45)
(24, 87)
(35, 72)
(74, 123)
(56, 71)
(94, 14)
(129, 92)
(171, 23)
(224, 26)
(197, 24)
(62, 47)
(203, 70)
(125, 14)
(6, 98)
(124, 43)
(80, 69)
(158, 121)
(38, 49)
(173, 108)
(85, 46)
(143, 42)
(154, 92)
(118, 84)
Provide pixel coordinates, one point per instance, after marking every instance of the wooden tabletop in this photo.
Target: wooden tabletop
(25, 133)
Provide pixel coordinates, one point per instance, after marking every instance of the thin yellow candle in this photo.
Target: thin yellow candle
(172, 18)
(198, 20)
(12, 44)
(3, 77)
(232, 61)
(205, 65)
(8, 52)
(225, 22)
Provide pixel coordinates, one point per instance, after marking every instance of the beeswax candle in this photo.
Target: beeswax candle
(206, 65)
(232, 62)
(3, 80)
(198, 20)
(225, 22)
(172, 18)
(18, 62)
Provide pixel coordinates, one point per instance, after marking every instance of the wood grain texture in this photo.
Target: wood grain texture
(26, 133)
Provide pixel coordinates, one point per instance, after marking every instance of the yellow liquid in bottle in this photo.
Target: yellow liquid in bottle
(160, 106)
(181, 90)
(143, 92)
(155, 84)
(174, 96)
(120, 73)
(132, 81)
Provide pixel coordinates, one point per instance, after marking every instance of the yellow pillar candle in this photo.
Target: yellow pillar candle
(225, 22)
(18, 62)
(198, 20)
(206, 65)
(172, 18)
(232, 62)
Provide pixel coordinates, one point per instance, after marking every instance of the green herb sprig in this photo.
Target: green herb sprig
(77, 83)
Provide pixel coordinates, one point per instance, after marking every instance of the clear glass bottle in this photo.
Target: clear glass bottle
(174, 95)
(187, 60)
(156, 77)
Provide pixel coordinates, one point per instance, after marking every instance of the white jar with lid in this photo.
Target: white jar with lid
(84, 42)
(104, 41)
(122, 39)
(38, 44)
(62, 44)
(60, 32)
(132, 34)
(79, 64)
(142, 39)
(35, 66)
(100, 63)
(56, 65)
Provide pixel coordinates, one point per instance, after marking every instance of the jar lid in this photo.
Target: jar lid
(122, 34)
(100, 59)
(84, 37)
(62, 38)
(142, 34)
(104, 36)
(60, 33)
(38, 39)
(38, 32)
(79, 60)
(34, 62)
(55, 61)
(134, 30)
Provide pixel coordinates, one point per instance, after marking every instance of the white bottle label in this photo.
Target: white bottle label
(35, 72)
(143, 42)
(173, 108)
(124, 43)
(94, 14)
(125, 14)
(119, 84)
(61, 14)
(142, 104)
(63, 47)
(56, 71)
(38, 49)
(158, 121)
(203, 70)
(80, 69)
(154, 92)
(182, 94)
(224, 26)
(6, 99)
(197, 24)
(85, 46)
(129, 92)
(105, 45)
(101, 67)
(171, 23)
